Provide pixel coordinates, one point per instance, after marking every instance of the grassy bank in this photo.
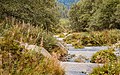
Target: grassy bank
(95, 38)
(17, 60)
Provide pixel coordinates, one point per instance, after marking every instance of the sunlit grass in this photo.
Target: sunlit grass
(95, 38)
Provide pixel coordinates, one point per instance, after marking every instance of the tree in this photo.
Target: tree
(104, 17)
(36, 12)
(95, 15)
(79, 15)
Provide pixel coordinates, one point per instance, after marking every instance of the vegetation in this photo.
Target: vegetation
(102, 38)
(28, 22)
(33, 22)
(104, 56)
(16, 60)
(111, 63)
(108, 69)
(63, 26)
(41, 13)
(89, 15)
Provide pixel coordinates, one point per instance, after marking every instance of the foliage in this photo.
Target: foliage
(33, 36)
(89, 15)
(3, 27)
(19, 61)
(63, 26)
(77, 45)
(108, 69)
(106, 37)
(103, 56)
(36, 12)
(59, 53)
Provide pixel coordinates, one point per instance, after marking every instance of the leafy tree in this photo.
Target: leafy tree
(80, 13)
(95, 15)
(104, 17)
(36, 12)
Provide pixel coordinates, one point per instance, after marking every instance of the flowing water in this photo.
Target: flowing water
(80, 68)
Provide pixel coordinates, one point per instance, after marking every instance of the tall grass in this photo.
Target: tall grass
(16, 60)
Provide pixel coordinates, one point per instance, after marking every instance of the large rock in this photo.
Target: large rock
(35, 48)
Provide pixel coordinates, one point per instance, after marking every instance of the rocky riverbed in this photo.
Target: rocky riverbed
(84, 67)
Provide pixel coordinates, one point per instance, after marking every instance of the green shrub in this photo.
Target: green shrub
(61, 53)
(107, 69)
(3, 27)
(97, 38)
(19, 61)
(31, 35)
(103, 56)
(77, 45)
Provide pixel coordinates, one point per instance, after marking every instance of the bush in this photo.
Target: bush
(31, 35)
(90, 15)
(77, 45)
(107, 69)
(19, 61)
(103, 56)
(106, 37)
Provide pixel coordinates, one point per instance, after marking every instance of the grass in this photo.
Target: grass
(96, 38)
(33, 36)
(19, 61)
